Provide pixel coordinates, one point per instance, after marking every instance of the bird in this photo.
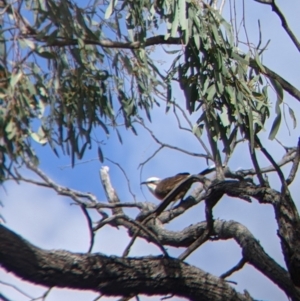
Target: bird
(160, 188)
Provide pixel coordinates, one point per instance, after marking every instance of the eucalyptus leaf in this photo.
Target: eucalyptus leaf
(275, 126)
(110, 8)
(278, 89)
(293, 116)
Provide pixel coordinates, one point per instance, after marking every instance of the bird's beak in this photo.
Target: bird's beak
(143, 183)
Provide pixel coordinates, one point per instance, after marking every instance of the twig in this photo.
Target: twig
(260, 51)
(195, 245)
(171, 146)
(16, 288)
(183, 206)
(150, 157)
(234, 269)
(295, 166)
(244, 26)
(90, 226)
(44, 296)
(191, 126)
(148, 232)
(99, 205)
(208, 121)
(284, 188)
(75, 195)
(179, 122)
(107, 221)
(256, 166)
(288, 157)
(98, 297)
(79, 163)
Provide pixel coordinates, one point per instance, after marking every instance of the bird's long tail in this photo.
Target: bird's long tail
(208, 170)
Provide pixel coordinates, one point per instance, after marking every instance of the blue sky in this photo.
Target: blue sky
(48, 220)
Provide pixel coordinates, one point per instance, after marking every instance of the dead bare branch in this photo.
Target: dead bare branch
(125, 175)
(110, 192)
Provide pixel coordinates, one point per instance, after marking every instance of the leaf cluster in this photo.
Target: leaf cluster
(216, 79)
(65, 84)
(71, 70)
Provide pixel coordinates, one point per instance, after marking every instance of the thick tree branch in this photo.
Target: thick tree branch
(253, 252)
(288, 219)
(286, 215)
(112, 276)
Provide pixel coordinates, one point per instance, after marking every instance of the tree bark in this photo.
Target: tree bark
(110, 275)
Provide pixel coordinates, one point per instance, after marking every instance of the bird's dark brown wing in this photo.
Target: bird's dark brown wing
(167, 184)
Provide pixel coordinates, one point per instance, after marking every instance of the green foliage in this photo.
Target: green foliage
(81, 68)
(66, 83)
(216, 79)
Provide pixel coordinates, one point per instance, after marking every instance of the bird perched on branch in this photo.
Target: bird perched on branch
(160, 188)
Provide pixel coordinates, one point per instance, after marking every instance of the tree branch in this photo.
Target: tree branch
(112, 276)
(160, 40)
(110, 192)
(282, 18)
(252, 251)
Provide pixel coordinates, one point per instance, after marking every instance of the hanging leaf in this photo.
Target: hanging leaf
(100, 154)
(110, 8)
(198, 130)
(259, 64)
(224, 117)
(278, 89)
(15, 78)
(293, 116)
(169, 97)
(275, 126)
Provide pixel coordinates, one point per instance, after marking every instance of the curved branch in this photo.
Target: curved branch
(112, 276)
(286, 214)
(290, 156)
(283, 20)
(252, 251)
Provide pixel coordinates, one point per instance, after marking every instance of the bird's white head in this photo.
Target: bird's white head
(152, 183)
